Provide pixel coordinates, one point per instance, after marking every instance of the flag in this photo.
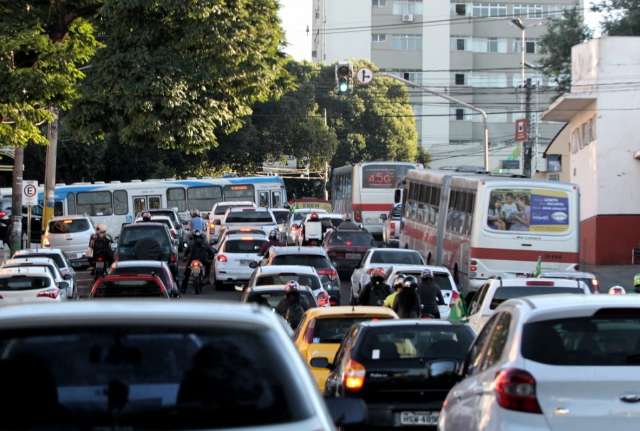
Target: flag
(457, 309)
(538, 270)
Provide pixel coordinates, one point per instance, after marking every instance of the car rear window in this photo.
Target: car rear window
(154, 378)
(69, 226)
(362, 239)
(249, 217)
(129, 237)
(275, 279)
(243, 245)
(441, 279)
(133, 288)
(333, 329)
(510, 292)
(281, 216)
(17, 283)
(221, 209)
(609, 338)
(397, 257)
(163, 221)
(143, 270)
(272, 298)
(415, 342)
(56, 258)
(314, 260)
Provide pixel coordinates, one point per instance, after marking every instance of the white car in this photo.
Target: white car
(294, 227)
(381, 258)
(64, 282)
(250, 217)
(281, 274)
(551, 363)
(441, 276)
(165, 220)
(218, 212)
(58, 256)
(235, 257)
(282, 217)
(495, 291)
(71, 234)
(28, 285)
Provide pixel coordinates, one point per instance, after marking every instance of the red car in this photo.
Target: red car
(345, 246)
(129, 286)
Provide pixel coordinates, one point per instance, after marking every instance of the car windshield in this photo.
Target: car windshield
(154, 378)
(129, 288)
(249, 217)
(314, 260)
(311, 281)
(358, 239)
(272, 298)
(281, 216)
(251, 246)
(333, 329)
(415, 342)
(23, 282)
(397, 257)
(504, 293)
(611, 337)
(68, 226)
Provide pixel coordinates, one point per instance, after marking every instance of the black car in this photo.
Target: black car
(147, 241)
(346, 245)
(402, 369)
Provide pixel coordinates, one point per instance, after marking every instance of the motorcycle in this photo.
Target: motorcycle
(197, 276)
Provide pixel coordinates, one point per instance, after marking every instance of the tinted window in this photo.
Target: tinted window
(281, 216)
(221, 209)
(275, 279)
(243, 246)
(144, 270)
(504, 293)
(498, 340)
(50, 269)
(333, 330)
(273, 298)
(69, 226)
(129, 237)
(163, 221)
(441, 279)
(17, 283)
(171, 378)
(249, 217)
(476, 353)
(397, 257)
(362, 239)
(609, 338)
(313, 260)
(118, 289)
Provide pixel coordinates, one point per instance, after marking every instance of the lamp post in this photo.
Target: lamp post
(523, 44)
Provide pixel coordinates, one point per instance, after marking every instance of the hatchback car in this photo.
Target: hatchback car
(304, 275)
(250, 217)
(145, 267)
(71, 234)
(58, 256)
(130, 286)
(147, 241)
(64, 282)
(235, 258)
(28, 285)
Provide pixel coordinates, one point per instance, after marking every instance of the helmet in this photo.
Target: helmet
(426, 273)
(273, 235)
(101, 228)
(195, 212)
(617, 290)
(399, 281)
(292, 286)
(197, 233)
(410, 282)
(146, 216)
(377, 274)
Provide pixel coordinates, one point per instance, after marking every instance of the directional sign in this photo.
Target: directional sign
(29, 193)
(364, 76)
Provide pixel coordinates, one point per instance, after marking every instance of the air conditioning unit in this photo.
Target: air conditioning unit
(409, 17)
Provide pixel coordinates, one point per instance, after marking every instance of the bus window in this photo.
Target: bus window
(276, 199)
(240, 192)
(155, 202)
(120, 202)
(58, 208)
(94, 203)
(71, 204)
(177, 198)
(203, 198)
(263, 199)
(529, 210)
(139, 204)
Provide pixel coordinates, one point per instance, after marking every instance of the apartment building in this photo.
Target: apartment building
(469, 50)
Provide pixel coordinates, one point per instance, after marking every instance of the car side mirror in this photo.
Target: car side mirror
(346, 411)
(67, 277)
(64, 285)
(383, 217)
(253, 265)
(320, 362)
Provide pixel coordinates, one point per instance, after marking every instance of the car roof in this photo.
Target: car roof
(143, 225)
(30, 260)
(298, 250)
(279, 209)
(568, 305)
(432, 268)
(160, 210)
(244, 236)
(246, 230)
(400, 250)
(28, 251)
(138, 263)
(234, 203)
(408, 322)
(522, 282)
(275, 288)
(350, 311)
(25, 270)
(278, 269)
(242, 210)
(318, 210)
(573, 274)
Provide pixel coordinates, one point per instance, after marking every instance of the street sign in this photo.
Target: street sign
(521, 130)
(365, 76)
(29, 193)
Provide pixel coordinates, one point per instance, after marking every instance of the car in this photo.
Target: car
(161, 364)
(36, 220)
(130, 286)
(71, 234)
(551, 362)
(58, 256)
(294, 227)
(497, 290)
(270, 296)
(307, 256)
(29, 285)
(588, 278)
(64, 282)
(282, 217)
(402, 369)
(175, 220)
(235, 258)
(253, 231)
(316, 225)
(145, 267)
(217, 214)
(147, 241)
(441, 276)
(304, 275)
(165, 220)
(381, 258)
(250, 217)
(391, 225)
(322, 330)
(346, 245)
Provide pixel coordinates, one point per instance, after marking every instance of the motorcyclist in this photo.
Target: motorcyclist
(101, 245)
(273, 242)
(292, 307)
(636, 283)
(397, 285)
(617, 290)
(146, 217)
(430, 295)
(198, 249)
(407, 303)
(197, 223)
(375, 291)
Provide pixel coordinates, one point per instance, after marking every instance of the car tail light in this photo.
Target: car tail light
(45, 242)
(348, 243)
(473, 265)
(454, 297)
(49, 293)
(173, 258)
(540, 283)
(308, 334)
(2, 214)
(329, 272)
(332, 301)
(357, 216)
(196, 264)
(354, 375)
(222, 258)
(516, 390)
(323, 299)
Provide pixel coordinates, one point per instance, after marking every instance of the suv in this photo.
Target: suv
(175, 220)
(71, 234)
(218, 212)
(346, 245)
(147, 241)
(250, 217)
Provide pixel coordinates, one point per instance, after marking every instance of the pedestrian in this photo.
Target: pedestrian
(407, 303)
(430, 295)
(397, 285)
(376, 291)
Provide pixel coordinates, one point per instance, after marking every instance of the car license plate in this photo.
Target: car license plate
(352, 256)
(419, 418)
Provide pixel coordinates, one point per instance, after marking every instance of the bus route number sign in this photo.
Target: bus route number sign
(382, 178)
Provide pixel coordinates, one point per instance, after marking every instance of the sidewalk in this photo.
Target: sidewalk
(611, 275)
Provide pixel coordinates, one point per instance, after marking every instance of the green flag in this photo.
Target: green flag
(458, 310)
(538, 270)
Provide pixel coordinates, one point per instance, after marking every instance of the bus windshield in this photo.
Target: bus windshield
(529, 210)
(383, 176)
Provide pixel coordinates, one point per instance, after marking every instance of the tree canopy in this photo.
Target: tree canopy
(621, 17)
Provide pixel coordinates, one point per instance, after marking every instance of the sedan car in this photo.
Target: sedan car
(235, 258)
(281, 274)
(346, 247)
(28, 286)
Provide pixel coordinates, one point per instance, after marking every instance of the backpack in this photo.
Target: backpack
(294, 314)
(379, 293)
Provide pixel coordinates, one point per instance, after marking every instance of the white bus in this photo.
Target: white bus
(481, 226)
(364, 191)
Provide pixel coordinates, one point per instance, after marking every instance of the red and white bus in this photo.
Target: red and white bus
(481, 226)
(366, 190)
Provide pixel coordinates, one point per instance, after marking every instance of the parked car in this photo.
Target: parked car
(71, 234)
(235, 259)
(391, 224)
(145, 267)
(495, 291)
(346, 246)
(587, 277)
(162, 365)
(130, 286)
(294, 227)
(58, 256)
(36, 220)
(250, 217)
(304, 275)
(381, 258)
(403, 369)
(270, 296)
(28, 285)
(64, 282)
(551, 362)
(218, 211)
(322, 330)
(147, 241)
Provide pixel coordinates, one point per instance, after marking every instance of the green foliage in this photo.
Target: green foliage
(621, 17)
(555, 46)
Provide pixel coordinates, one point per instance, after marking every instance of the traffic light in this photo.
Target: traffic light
(344, 77)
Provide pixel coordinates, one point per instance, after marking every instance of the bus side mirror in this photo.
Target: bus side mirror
(397, 196)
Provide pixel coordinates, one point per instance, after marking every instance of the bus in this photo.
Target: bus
(481, 226)
(364, 191)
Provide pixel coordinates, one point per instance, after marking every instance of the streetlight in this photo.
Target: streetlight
(523, 29)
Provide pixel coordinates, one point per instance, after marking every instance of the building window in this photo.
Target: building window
(407, 7)
(488, 80)
(460, 44)
(489, 9)
(459, 79)
(531, 47)
(459, 114)
(379, 3)
(492, 44)
(407, 42)
(378, 37)
(461, 9)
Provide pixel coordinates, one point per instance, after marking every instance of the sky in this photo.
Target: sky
(296, 17)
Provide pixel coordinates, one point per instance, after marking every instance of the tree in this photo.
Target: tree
(177, 74)
(621, 17)
(555, 46)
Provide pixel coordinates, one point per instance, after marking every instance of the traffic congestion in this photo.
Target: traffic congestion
(250, 316)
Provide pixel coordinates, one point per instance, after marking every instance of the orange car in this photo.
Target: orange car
(322, 330)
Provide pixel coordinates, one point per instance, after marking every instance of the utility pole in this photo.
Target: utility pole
(527, 144)
(15, 238)
(50, 169)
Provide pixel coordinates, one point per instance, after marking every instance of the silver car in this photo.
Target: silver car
(70, 234)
